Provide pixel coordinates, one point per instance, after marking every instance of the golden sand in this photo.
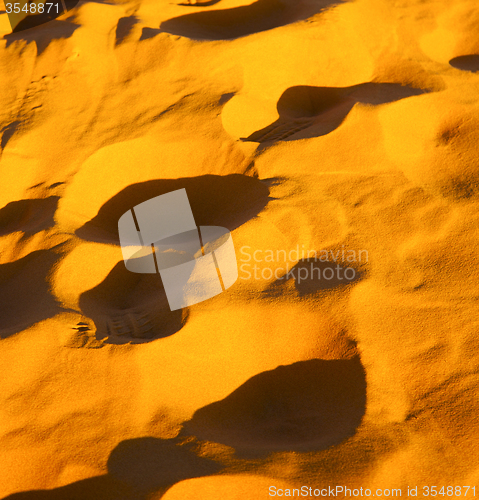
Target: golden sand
(298, 125)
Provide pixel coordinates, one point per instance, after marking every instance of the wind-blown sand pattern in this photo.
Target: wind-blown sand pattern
(330, 126)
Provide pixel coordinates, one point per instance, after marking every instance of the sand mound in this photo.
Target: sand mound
(288, 408)
(338, 143)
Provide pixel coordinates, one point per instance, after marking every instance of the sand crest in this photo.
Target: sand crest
(337, 144)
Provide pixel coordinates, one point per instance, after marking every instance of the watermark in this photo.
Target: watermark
(333, 491)
(345, 492)
(197, 263)
(26, 14)
(299, 264)
(160, 236)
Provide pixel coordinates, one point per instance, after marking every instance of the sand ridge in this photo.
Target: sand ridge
(316, 125)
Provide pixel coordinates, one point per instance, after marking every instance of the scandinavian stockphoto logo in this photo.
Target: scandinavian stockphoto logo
(161, 236)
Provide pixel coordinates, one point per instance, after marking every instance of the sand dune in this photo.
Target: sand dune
(327, 137)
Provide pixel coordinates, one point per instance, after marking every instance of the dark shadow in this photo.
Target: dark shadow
(132, 307)
(28, 216)
(242, 21)
(226, 97)
(43, 35)
(35, 18)
(25, 297)
(306, 112)
(95, 488)
(200, 3)
(307, 406)
(136, 469)
(228, 201)
(71, 4)
(124, 27)
(311, 276)
(150, 464)
(8, 131)
(303, 407)
(147, 33)
(466, 63)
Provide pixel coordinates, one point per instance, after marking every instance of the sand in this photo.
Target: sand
(348, 127)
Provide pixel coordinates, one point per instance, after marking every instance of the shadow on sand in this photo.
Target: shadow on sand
(130, 307)
(306, 112)
(304, 407)
(236, 22)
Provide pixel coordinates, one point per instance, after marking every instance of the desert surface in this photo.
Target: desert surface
(338, 143)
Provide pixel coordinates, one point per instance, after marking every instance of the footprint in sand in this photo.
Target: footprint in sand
(132, 307)
(128, 307)
(136, 324)
(306, 111)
